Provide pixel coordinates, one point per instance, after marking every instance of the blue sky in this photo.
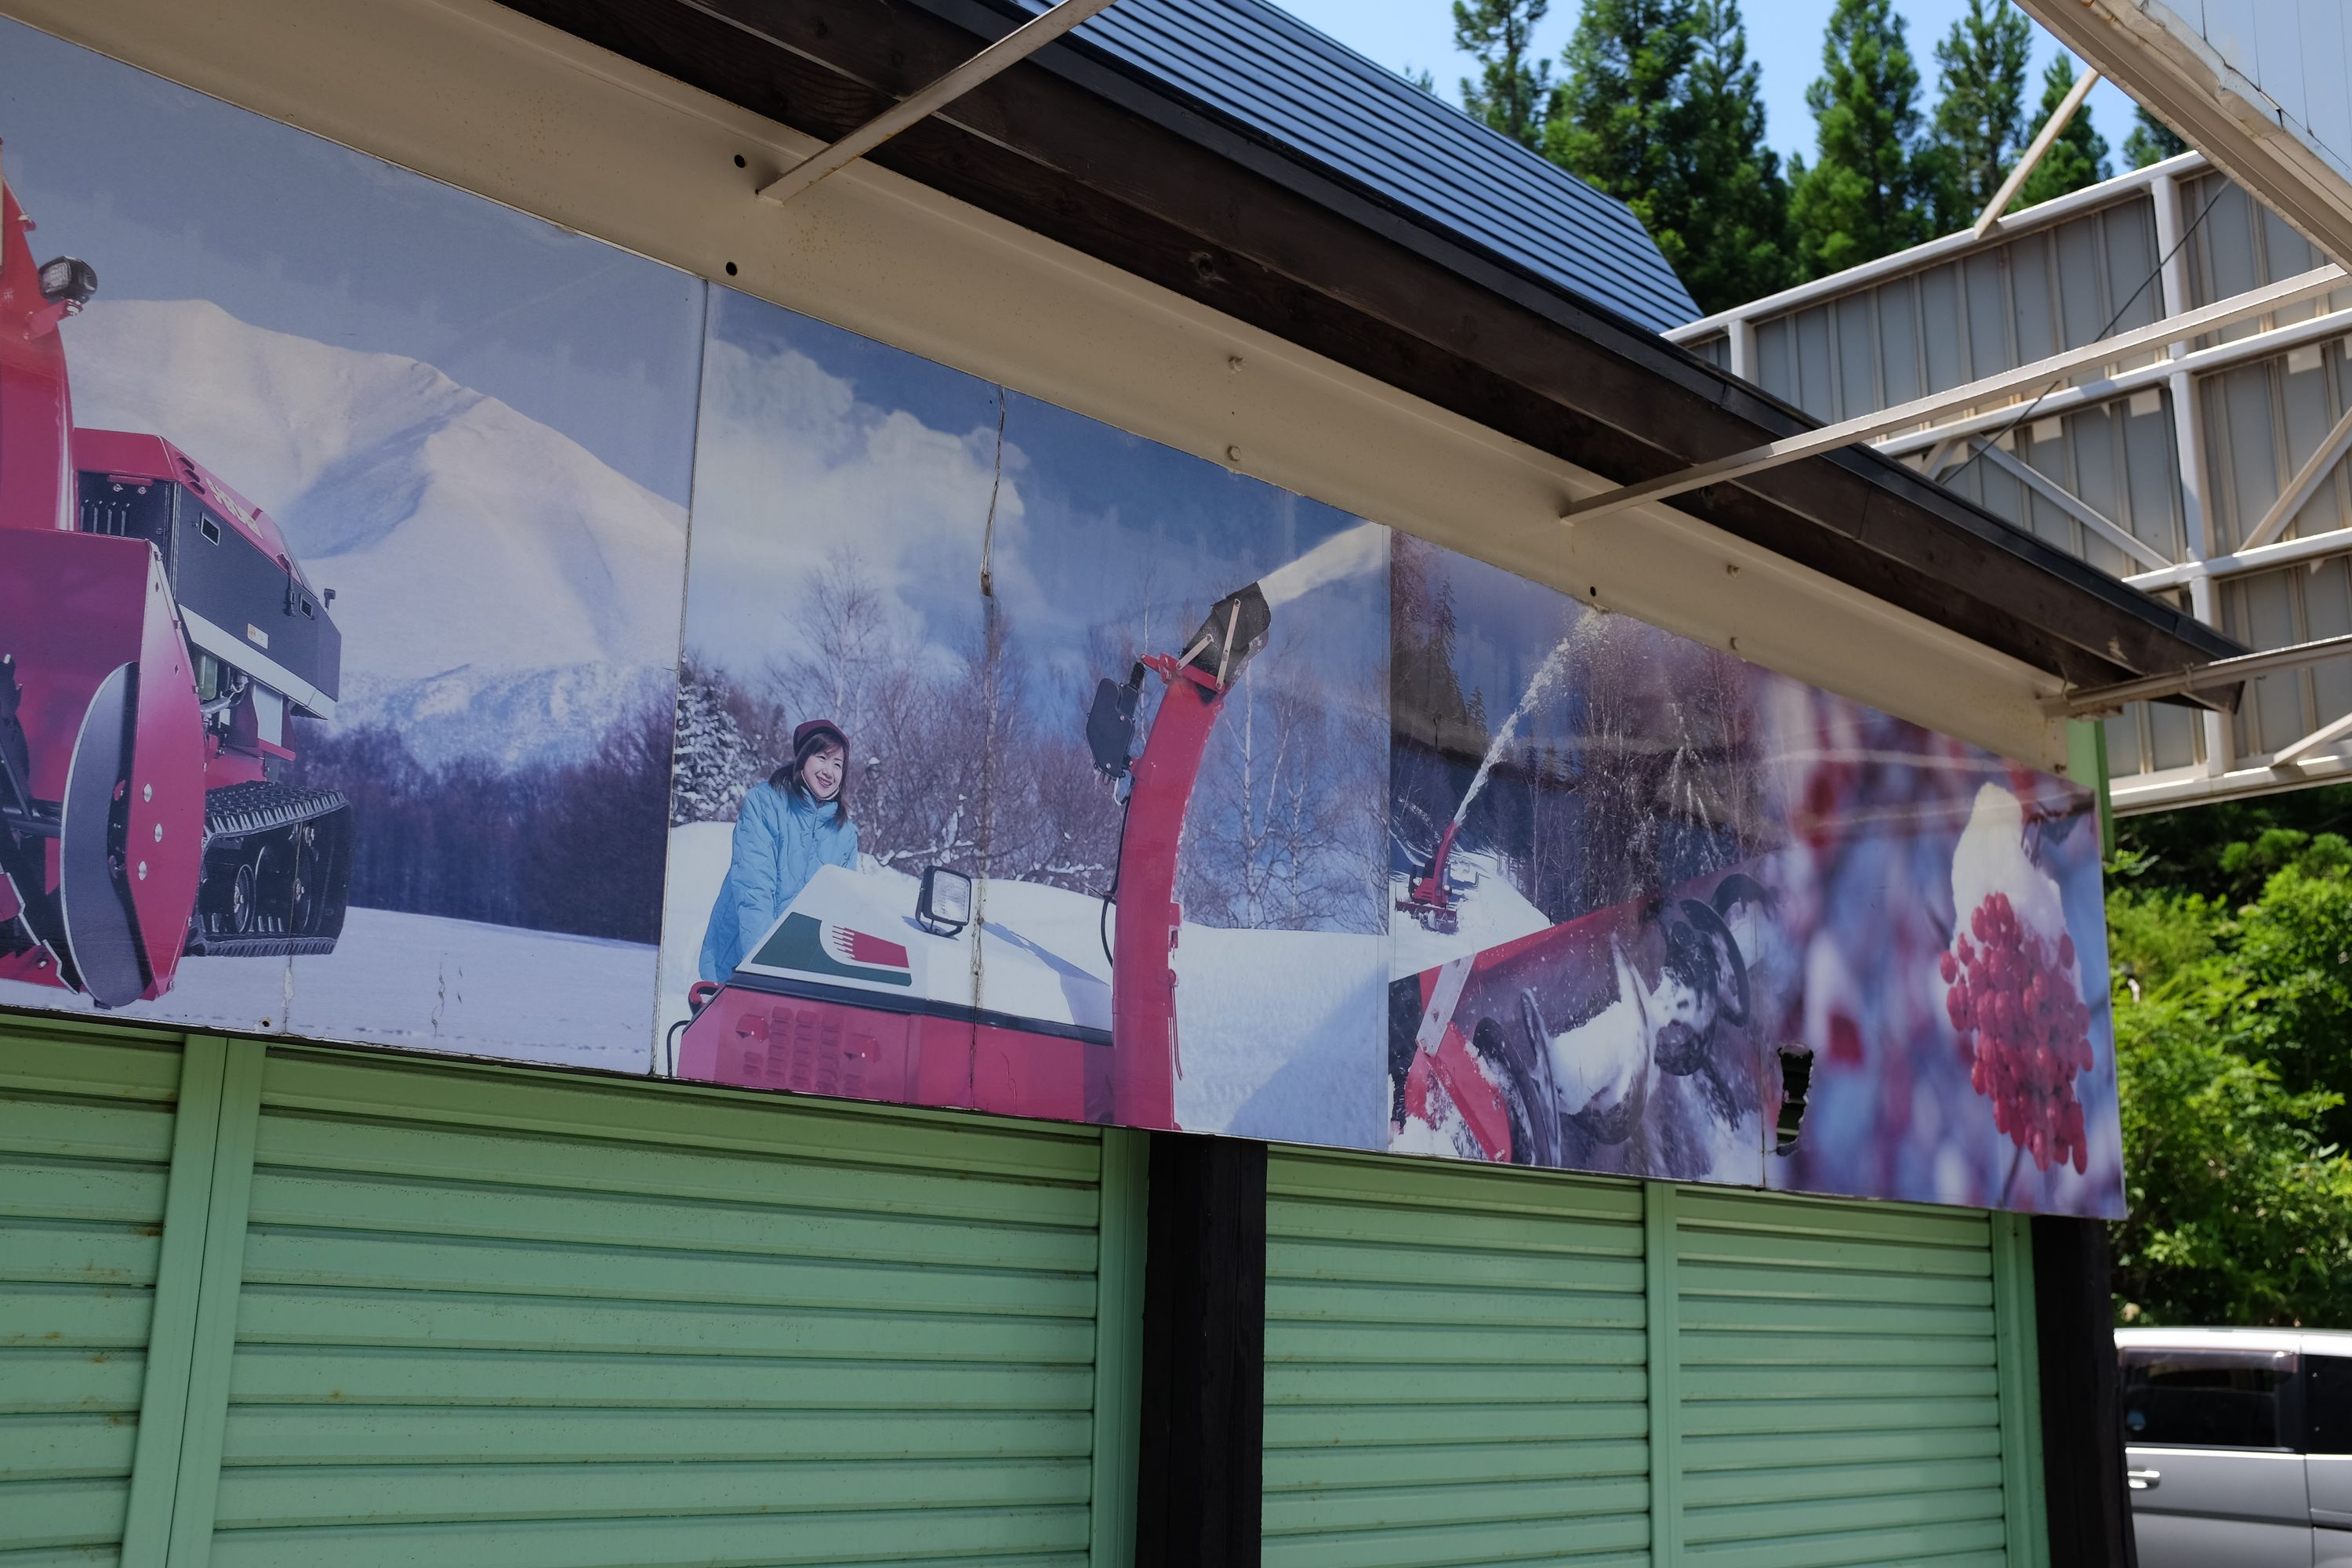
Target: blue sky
(1783, 36)
(172, 196)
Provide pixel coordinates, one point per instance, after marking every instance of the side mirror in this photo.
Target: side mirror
(944, 905)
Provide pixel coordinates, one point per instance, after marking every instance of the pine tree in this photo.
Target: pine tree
(712, 762)
(1980, 110)
(1867, 194)
(2151, 141)
(2079, 156)
(1738, 250)
(1623, 122)
(1514, 92)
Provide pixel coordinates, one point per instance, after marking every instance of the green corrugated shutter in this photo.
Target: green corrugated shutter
(360, 1309)
(489, 1319)
(1841, 1384)
(1459, 1370)
(1453, 1366)
(86, 1132)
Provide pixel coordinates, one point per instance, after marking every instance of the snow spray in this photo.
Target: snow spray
(1363, 548)
(1546, 677)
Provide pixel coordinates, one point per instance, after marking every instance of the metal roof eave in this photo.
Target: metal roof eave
(1139, 174)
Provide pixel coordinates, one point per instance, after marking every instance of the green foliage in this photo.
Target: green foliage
(1737, 250)
(2230, 932)
(2079, 156)
(2240, 1213)
(2227, 851)
(1513, 92)
(1869, 190)
(1622, 120)
(2151, 141)
(1980, 110)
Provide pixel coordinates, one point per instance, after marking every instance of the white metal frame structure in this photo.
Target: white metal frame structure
(2257, 84)
(2155, 373)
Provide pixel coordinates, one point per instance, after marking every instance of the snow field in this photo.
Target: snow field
(424, 984)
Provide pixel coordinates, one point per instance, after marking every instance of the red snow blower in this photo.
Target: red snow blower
(154, 638)
(1428, 899)
(861, 990)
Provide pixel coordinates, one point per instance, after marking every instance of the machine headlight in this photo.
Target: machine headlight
(70, 279)
(944, 907)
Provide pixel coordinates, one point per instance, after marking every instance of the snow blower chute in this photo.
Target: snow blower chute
(876, 986)
(155, 636)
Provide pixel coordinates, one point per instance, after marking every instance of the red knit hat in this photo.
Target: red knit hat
(813, 729)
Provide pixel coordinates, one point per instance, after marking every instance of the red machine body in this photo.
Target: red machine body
(155, 636)
(1478, 1059)
(844, 995)
(1428, 899)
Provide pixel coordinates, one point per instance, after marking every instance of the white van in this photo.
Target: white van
(2240, 1445)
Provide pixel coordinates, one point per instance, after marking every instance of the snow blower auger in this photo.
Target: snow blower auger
(853, 992)
(139, 823)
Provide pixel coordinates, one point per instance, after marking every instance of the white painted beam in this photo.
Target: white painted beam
(2074, 506)
(2008, 384)
(2299, 488)
(1960, 242)
(2238, 563)
(2107, 389)
(1007, 51)
(2041, 143)
(2096, 699)
(2333, 729)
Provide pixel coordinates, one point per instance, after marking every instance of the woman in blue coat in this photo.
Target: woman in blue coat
(788, 826)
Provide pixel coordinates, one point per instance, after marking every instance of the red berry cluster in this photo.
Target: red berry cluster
(2023, 1028)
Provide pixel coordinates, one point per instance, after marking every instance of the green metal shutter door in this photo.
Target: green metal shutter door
(86, 1134)
(1840, 1386)
(1455, 1366)
(491, 1318)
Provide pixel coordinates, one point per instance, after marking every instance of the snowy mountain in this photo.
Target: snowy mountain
(497, 586)
(511, 717)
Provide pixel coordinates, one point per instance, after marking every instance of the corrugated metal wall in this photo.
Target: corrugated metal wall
(451, 1315)
(1455, 1366)
(86, 1134)
(1839, 1372)
(1958, 317)
(1460, 1370)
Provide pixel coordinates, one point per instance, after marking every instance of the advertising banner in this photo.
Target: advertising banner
(423, 626)
(411, 471)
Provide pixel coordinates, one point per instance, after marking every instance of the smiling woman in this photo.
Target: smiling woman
(784, 829)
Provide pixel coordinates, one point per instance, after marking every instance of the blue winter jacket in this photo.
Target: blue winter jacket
(781, 838)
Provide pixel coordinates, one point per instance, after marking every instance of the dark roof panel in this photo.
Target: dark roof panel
(1273, 77)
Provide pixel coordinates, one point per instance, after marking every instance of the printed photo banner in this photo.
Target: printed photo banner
(1011, 763)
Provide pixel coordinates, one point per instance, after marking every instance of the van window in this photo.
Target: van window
(2209, 1399)
(2327, 1404)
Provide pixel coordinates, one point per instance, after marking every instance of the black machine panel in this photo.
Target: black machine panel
(219, 573)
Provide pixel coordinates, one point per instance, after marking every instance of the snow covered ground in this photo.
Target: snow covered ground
(426, 983)
(1492, 913)
(1283, 1035)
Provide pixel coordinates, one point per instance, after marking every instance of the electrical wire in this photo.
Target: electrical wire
(1111, 894)
(1978, 444)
